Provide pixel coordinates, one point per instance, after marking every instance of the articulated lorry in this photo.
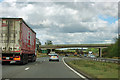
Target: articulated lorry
(17, 41)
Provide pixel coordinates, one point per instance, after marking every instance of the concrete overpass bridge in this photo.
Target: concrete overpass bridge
(99, 46)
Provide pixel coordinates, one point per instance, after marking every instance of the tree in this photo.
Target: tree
(94, 50)
(38, 43)
(114, 50)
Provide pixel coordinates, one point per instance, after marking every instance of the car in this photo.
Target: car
(80, 55)
(85, 55)
(53, 57)
(51, 53)
(66, 55)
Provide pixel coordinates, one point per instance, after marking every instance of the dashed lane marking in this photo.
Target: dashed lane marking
(27, 68)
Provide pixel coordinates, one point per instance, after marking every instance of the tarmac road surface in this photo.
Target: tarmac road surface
(42, 68)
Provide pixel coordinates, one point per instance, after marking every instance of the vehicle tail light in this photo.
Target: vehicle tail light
(4, 57)
(50, 56)
(57, 56)
(17, 58)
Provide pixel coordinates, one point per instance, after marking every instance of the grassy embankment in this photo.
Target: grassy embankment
(96, 69)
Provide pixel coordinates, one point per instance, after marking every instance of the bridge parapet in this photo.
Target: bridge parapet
(76, 45)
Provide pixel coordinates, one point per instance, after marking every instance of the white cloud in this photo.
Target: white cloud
(66, 22)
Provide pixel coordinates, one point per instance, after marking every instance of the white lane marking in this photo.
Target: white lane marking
(27, 68)
(7, 79)
(12, 61)
(74, 70)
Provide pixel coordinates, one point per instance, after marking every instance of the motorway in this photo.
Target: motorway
(42, 68)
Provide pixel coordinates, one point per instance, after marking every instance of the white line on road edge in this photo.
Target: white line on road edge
(27, 68)
(74, 70)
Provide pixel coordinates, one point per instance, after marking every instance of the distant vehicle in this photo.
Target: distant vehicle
(18, 41)
(91, 56)
(85, 55)
(80, 55)
(53, 57)
(75, 54)
(90, 52)
(66, 55)
(51, 53)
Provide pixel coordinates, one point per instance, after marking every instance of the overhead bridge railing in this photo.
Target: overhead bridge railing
(76, 45)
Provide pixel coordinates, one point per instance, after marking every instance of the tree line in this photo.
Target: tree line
(114, 50)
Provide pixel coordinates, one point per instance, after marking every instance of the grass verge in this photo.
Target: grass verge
(96, 69)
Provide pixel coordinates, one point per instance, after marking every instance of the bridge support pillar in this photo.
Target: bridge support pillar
(100, 52)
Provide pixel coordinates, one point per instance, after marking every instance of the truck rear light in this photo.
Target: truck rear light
(50, 56)
(4, 57)
(57, 56)
(17, 58)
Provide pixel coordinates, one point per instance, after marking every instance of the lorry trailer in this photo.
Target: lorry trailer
(17, 41)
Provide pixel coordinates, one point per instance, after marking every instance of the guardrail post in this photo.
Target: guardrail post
(100, 52)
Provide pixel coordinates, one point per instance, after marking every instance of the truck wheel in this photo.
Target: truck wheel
(34, 58)
(26, 61)
(26, 58)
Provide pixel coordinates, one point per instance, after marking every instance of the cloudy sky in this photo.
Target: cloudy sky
(69, 22)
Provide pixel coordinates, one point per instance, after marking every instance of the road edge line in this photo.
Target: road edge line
(80, 75)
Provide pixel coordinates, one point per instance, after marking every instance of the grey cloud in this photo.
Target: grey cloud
(73, 28)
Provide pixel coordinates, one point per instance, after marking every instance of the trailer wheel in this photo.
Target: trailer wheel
(5, 62)
(24, 59)
(22, 62)
(34, 58)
